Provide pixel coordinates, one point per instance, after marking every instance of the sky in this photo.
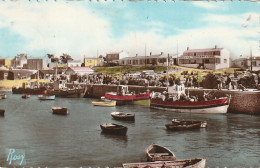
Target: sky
(92, 28)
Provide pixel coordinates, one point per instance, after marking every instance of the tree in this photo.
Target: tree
(65, 58)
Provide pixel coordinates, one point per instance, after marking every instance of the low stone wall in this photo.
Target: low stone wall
(247, 102)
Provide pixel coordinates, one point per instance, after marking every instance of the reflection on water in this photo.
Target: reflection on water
(76, 139)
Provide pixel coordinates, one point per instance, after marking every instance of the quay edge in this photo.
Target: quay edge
(244, 102)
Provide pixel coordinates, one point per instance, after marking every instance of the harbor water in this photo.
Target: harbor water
(76, 140)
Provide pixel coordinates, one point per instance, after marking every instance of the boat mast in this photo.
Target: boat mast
(167, 62)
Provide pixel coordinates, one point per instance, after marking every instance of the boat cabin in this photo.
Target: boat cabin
(176, 91)
(122, 90)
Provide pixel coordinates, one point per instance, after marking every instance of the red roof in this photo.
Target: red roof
(81, 69)
(203, 50)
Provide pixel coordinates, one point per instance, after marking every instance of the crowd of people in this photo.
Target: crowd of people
(209, 81)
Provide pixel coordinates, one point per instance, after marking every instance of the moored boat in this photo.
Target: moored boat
(104, 103)
(176, 100)
(123, 116)
(203, 124)
(188, 163)
(46, 97)
(2, 112)
(123, 95)
(25, 96)
(2, 96)
(111, 128)
(21, 90)
(156, 152)
(66, 93)
(60, 110)
(182, 126)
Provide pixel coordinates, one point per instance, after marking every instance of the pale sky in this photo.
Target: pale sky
(89, 28)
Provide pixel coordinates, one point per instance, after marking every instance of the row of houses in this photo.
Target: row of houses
(209, 58)
(49, 74)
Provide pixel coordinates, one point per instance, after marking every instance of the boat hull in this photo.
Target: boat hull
(159, 153)
(177, 127)
(105, 104)
(218, 106)
(76, 93)
(123, 117)
(115, 131)
(47, 97)
(189, 163)
(28, 91)
(127, 98)
(2, 112)
(59, 111)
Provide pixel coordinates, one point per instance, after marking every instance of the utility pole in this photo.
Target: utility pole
(251, 57)
(177, 61)
(145, 55)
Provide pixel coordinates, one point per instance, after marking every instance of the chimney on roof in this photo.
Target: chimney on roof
(136, 55)
(150, 53)
(188, 48)
(161, 53)
(216, 46)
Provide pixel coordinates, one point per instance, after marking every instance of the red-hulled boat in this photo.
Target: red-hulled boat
(172, 102)
(123, 94)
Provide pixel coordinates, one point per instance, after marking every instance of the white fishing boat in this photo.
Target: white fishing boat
(46, 97)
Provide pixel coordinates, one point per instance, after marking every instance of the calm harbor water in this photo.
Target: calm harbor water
(76, 140)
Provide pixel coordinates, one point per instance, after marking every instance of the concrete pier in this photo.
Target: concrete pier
(246, 102)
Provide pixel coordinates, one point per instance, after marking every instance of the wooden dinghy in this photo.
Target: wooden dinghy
(3, 96)
(106, 103)
(111, 128)
(156, 152)
(182, 126)
(60, 110)
(123, 116)
(203, 124)
(189, 163)
(2, 112)
(25, 96)
(46, 97)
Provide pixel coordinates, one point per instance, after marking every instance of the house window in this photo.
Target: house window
(242, 63)
(225, 60)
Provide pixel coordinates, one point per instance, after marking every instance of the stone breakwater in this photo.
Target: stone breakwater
(247, 102)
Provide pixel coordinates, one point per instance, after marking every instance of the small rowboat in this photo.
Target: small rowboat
(2, 96)
(25, 96)
(106, 103)
(182, 126)
(60, 110)
(189, 163)
(123, 116)
(203, 124)
(111, 128)
(2, 112)
(156, 152)
(46, 97)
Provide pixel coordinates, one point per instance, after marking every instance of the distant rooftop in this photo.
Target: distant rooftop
(203, 50)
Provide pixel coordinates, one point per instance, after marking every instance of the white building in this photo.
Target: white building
(247, 63)
(211, 58)
(74, 63)
(19, 61)
(158, 59)
(79, 71)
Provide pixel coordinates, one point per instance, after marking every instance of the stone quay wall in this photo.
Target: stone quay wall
(246, 102)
